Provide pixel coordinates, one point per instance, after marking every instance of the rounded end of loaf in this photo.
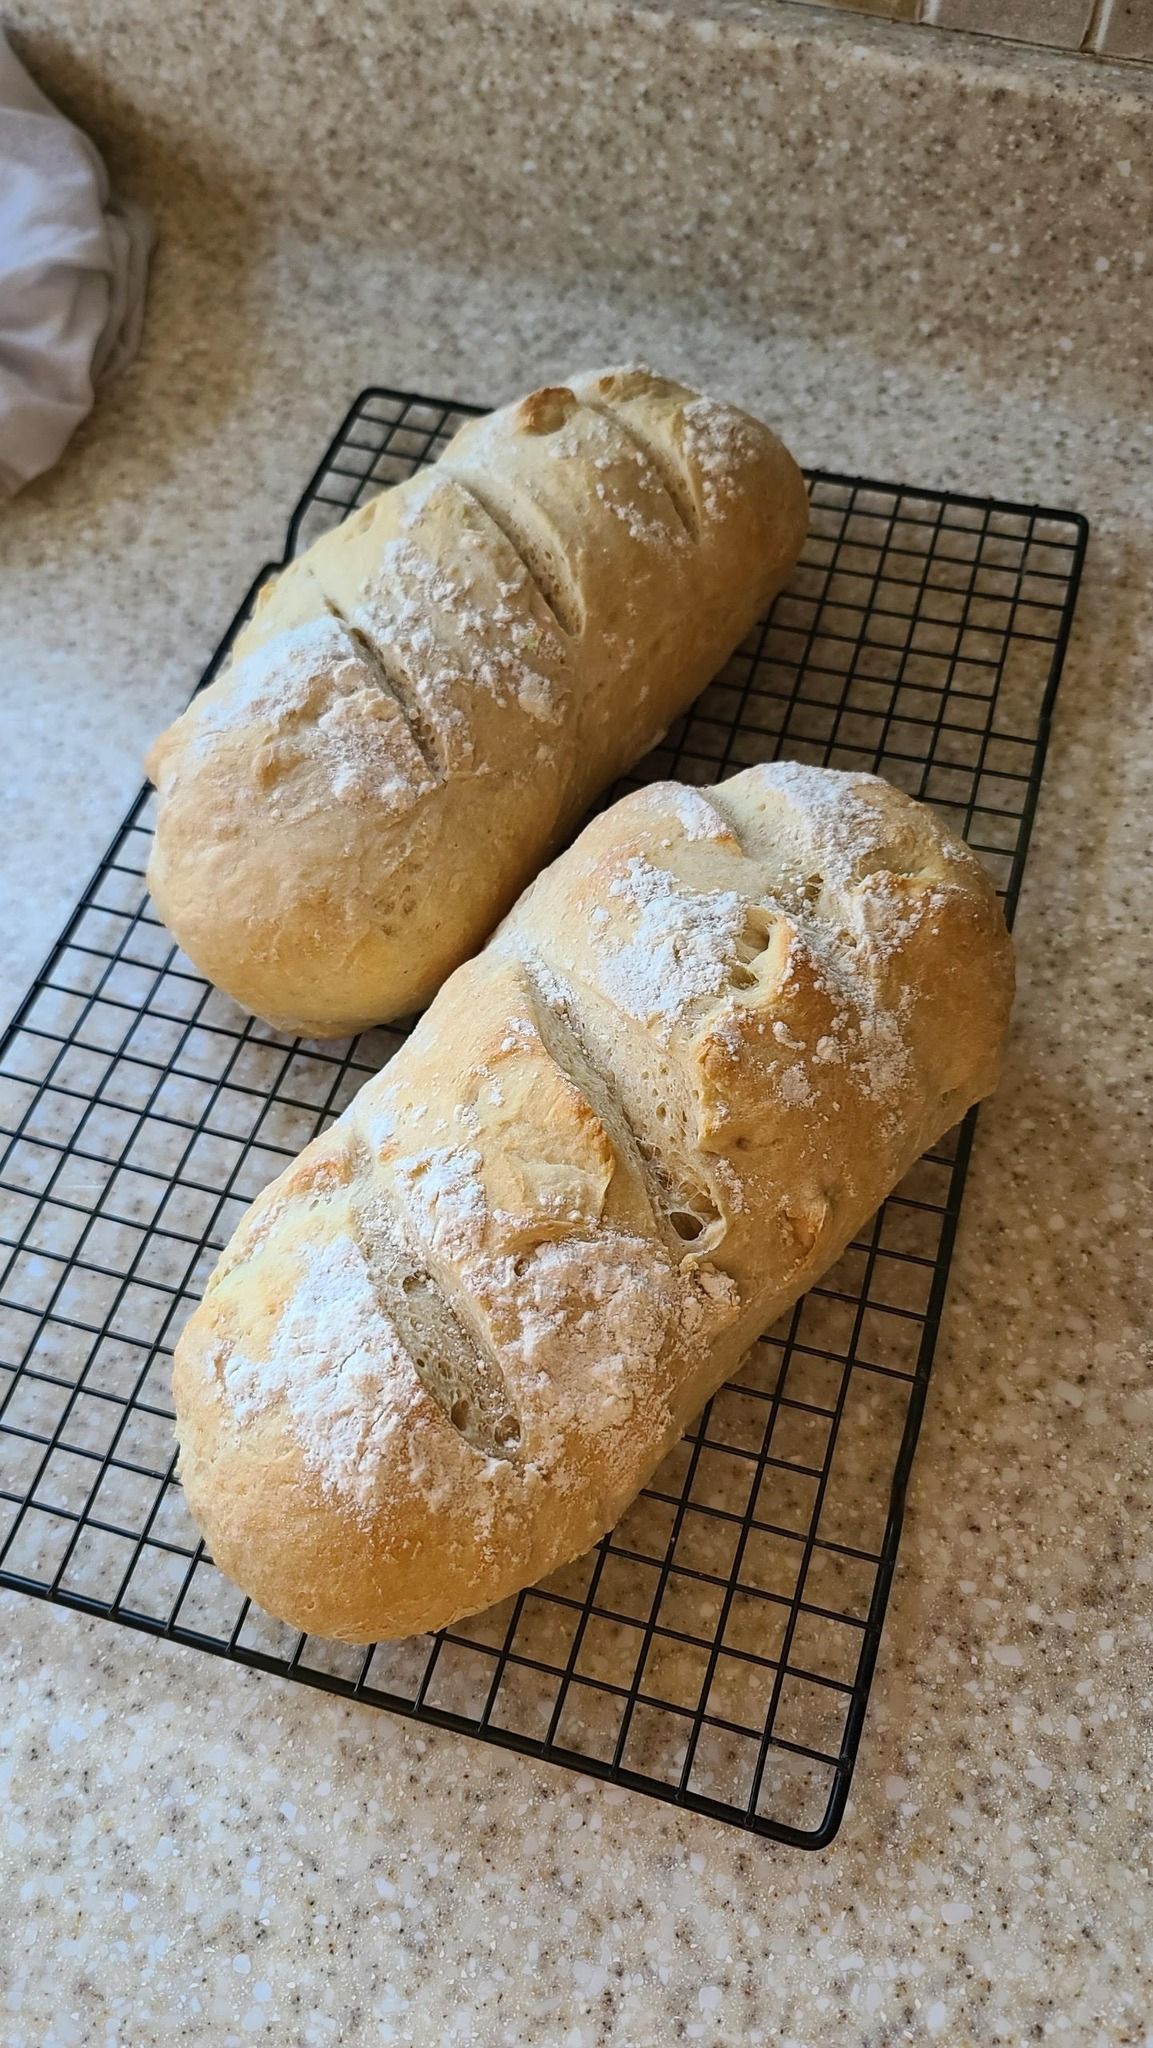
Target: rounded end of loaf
(271, 1527)
(289, 831)
(280, 935)
(296, 1423)
(734, 484)
(907, 888)
(349, 1446)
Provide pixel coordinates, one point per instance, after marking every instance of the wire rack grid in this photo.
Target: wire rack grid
(717, 1649)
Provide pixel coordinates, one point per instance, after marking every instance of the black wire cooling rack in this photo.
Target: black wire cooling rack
(717, 1649)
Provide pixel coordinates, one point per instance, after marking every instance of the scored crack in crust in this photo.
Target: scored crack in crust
(447, 1347)
(428, 699)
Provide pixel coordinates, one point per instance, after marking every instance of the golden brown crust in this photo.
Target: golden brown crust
(425, 701)
(445, 1349)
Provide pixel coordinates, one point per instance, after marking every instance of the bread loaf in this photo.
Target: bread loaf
(427, 700)
(449, 1344)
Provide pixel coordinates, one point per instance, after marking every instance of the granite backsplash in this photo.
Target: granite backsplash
(982, 208)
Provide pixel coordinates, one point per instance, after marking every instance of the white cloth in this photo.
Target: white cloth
(73, 270)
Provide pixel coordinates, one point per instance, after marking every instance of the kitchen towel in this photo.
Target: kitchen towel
(73, 270)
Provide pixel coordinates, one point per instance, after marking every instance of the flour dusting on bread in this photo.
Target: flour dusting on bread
(438, 625)
(717, 440)
(308, 708)
(335, 1363)
(682, 946)
(446, 1197)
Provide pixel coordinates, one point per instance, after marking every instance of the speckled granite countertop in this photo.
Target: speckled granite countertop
(190, 1852)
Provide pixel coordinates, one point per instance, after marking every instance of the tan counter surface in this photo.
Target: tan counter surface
(190, 1852)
